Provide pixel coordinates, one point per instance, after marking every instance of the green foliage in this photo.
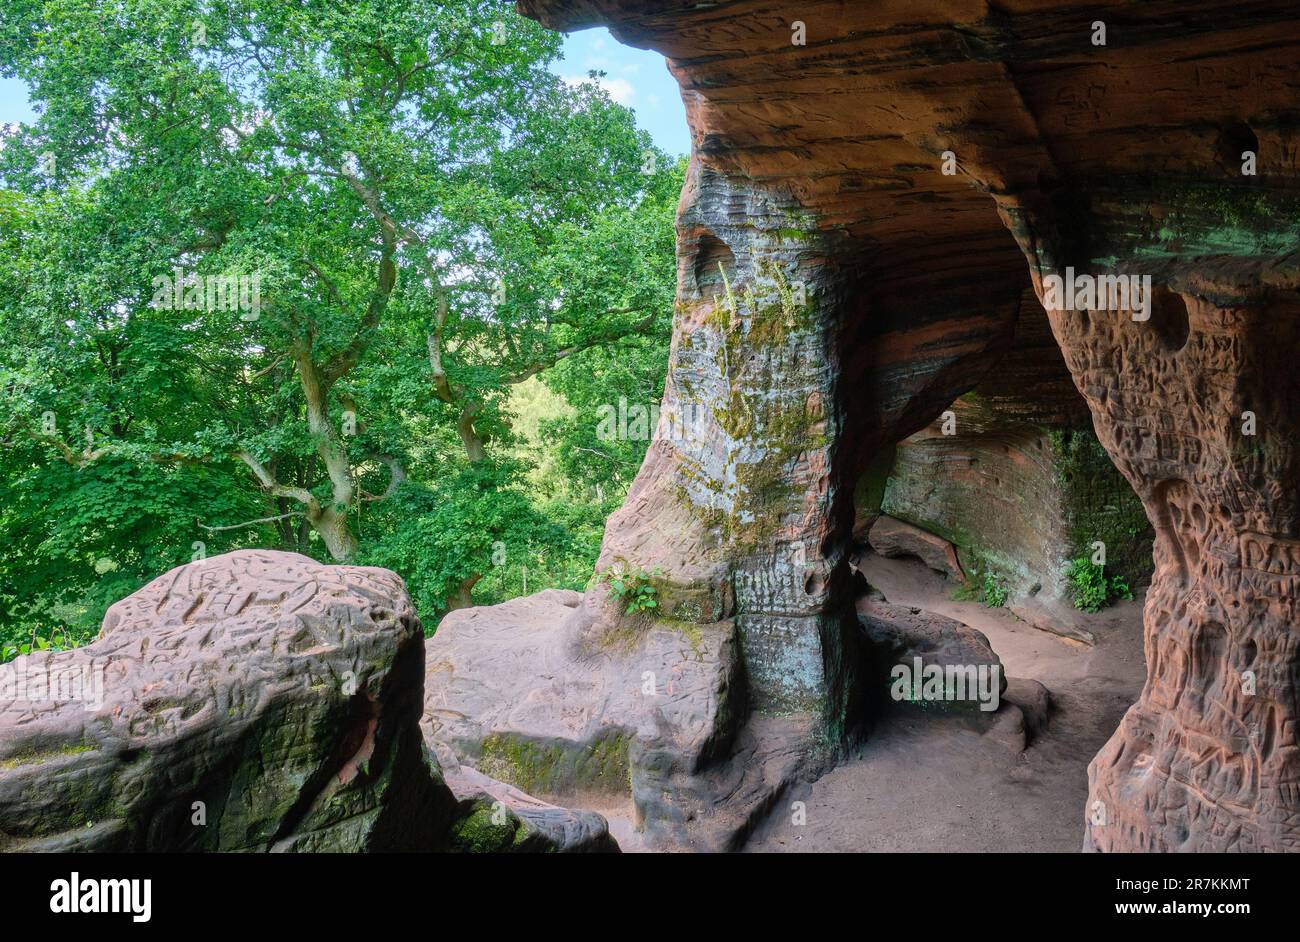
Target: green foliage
(1093, 590)
(1100, 505)
(994, 590)
(633, 589)
(401, 182)
(478, 525)
(13, 644)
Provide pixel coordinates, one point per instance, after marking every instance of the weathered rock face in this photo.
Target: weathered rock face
(557, 695)
(280, 693)
(893, 538)
(250, 702)
(1208, 758)
(822, 164)
(1012, 475)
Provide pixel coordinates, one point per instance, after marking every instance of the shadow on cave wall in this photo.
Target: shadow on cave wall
(986, 443)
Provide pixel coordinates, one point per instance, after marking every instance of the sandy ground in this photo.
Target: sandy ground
(933, 782)
(926, 782)
(618, 812)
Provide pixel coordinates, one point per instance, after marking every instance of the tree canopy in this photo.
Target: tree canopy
(274, 275)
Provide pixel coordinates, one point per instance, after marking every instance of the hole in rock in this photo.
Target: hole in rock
(964, 538)
(1235, 139)
(1169, 319)
(712, 258)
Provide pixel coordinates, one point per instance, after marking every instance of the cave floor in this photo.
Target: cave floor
(930, 782)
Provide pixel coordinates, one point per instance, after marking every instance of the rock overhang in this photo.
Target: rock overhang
(1106, 139)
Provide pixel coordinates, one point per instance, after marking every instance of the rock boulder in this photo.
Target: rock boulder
(255, 701)
(892, 538)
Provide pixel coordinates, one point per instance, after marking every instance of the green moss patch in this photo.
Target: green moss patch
(36, 757)
(553, 769)
(1099, 505)
(479, 834)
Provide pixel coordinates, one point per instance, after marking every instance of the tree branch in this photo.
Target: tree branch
(262, 372)
(249, 523)
(395, 478)
(596, 340)
(441, 384)
(77, 459)
(385, 280)
(275, 488)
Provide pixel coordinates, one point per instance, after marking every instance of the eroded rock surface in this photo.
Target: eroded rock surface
(255, 701)
(890, 537)
(281, 694)
(1208, 758)
(821, 165)
(555, 694)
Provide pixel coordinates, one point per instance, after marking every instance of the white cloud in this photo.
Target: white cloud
(619, 89)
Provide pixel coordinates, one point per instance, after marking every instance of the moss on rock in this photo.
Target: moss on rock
(479, 833)
(552, 769)
(1099, 505)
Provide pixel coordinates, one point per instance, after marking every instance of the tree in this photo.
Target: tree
(297, 238)
(383, 221)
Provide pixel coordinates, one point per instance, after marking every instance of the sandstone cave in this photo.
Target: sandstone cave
(893, 417)
(819, 170)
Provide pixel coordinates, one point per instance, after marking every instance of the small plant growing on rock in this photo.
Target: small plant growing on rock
(633, 589)
(1093, 589)
(995, 590)
(59, 639)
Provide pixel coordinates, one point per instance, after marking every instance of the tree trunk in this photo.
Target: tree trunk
(474, 447)
(330, 522)
(336, 533)
(463, 598)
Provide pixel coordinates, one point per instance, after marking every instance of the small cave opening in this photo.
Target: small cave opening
(715, 266)
(982, 502)
(1169, 319)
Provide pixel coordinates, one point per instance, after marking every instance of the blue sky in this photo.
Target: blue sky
(634, 77)
(13, 102)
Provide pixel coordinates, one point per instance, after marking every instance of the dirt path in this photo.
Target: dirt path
(933, 783)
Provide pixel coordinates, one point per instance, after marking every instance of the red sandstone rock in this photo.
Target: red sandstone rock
(822, 163)
(890, 537)
(280, 694)
(255, 701)
(554, 694)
